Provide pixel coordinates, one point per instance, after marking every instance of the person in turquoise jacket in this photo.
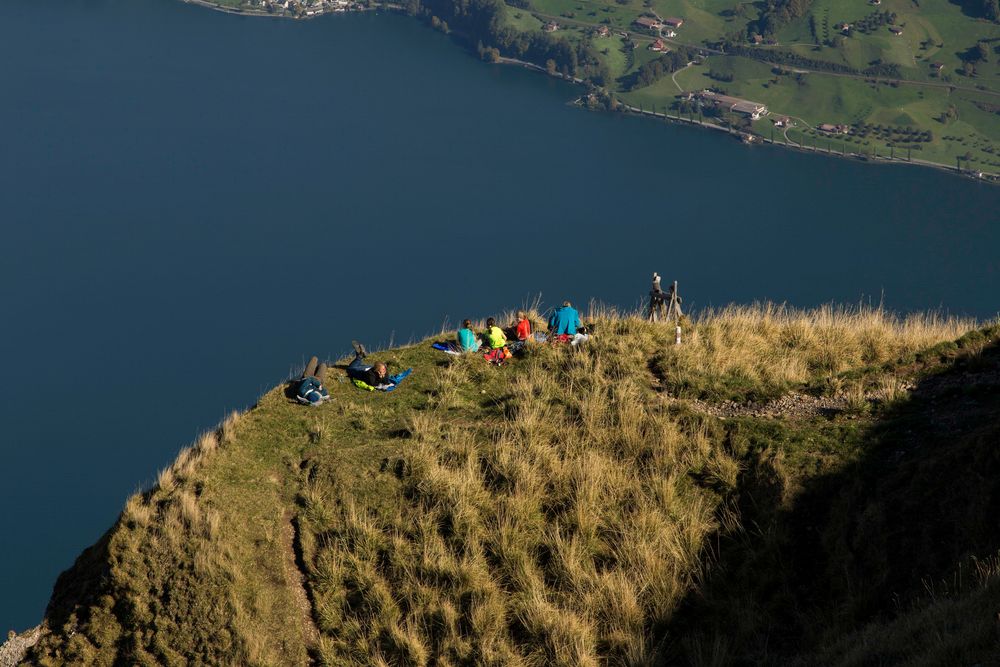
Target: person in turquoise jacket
(564, 320)
(467, 339)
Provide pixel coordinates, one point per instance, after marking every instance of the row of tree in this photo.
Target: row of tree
(483, 22)
(988, 107)
(776, 14)
(988, 9)
(654, 70)
(874, 21)
(792, 59)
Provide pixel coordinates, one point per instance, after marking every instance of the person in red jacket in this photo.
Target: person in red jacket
(523, 329)
(521, 332)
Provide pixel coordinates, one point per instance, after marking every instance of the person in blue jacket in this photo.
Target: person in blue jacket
(564, 321)
(310, 390)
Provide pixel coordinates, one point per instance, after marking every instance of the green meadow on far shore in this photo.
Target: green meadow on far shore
(930, 93)
(963, 122)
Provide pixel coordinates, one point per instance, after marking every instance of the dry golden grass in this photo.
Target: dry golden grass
(166, 480)
(890, 389)
(138, 513)
(207, 443)
(189, 510)
(562, 530)
(211, 525)
(177, 565)
(769, 348)
(227, 428)
(562, 526)
(186, 463)
(555, 511)
(856, 401)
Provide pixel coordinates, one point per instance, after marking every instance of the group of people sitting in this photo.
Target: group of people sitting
(498, 345)
(564, 326)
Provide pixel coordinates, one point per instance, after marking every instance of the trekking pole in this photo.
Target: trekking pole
(675, 310)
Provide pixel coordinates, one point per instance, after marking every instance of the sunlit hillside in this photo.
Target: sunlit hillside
(783, 486)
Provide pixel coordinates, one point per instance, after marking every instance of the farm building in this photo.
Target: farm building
(673, 22)
(834, 129)
(734, 104)
(753, 109)
(647, 23)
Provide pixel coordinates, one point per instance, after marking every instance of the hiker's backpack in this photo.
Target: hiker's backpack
(311, 391)
(498, 356)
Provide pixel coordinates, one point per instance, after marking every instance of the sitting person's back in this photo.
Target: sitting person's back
(494, 334)
(467, 339)
(564, 320)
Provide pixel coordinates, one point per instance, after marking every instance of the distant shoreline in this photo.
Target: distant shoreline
(237, 11)
(234, 10)
(625, 108)
(791, 145)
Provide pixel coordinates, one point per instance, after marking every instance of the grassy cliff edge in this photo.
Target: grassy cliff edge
(785, 486)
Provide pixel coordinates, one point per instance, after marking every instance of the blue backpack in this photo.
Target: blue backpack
(311, 391)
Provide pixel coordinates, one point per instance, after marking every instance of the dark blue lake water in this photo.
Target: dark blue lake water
(192, 203)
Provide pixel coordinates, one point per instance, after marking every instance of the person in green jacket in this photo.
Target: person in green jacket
(494, 334)
(467, 339)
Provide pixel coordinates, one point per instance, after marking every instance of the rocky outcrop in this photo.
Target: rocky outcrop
(13, 650)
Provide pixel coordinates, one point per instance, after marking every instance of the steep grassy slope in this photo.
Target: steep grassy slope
(888, 556)
(627, 503)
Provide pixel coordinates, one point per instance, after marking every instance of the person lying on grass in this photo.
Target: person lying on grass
(311, 390)
(372, 377)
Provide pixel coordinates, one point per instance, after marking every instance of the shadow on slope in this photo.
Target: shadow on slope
(78, 590)
(861, 532)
